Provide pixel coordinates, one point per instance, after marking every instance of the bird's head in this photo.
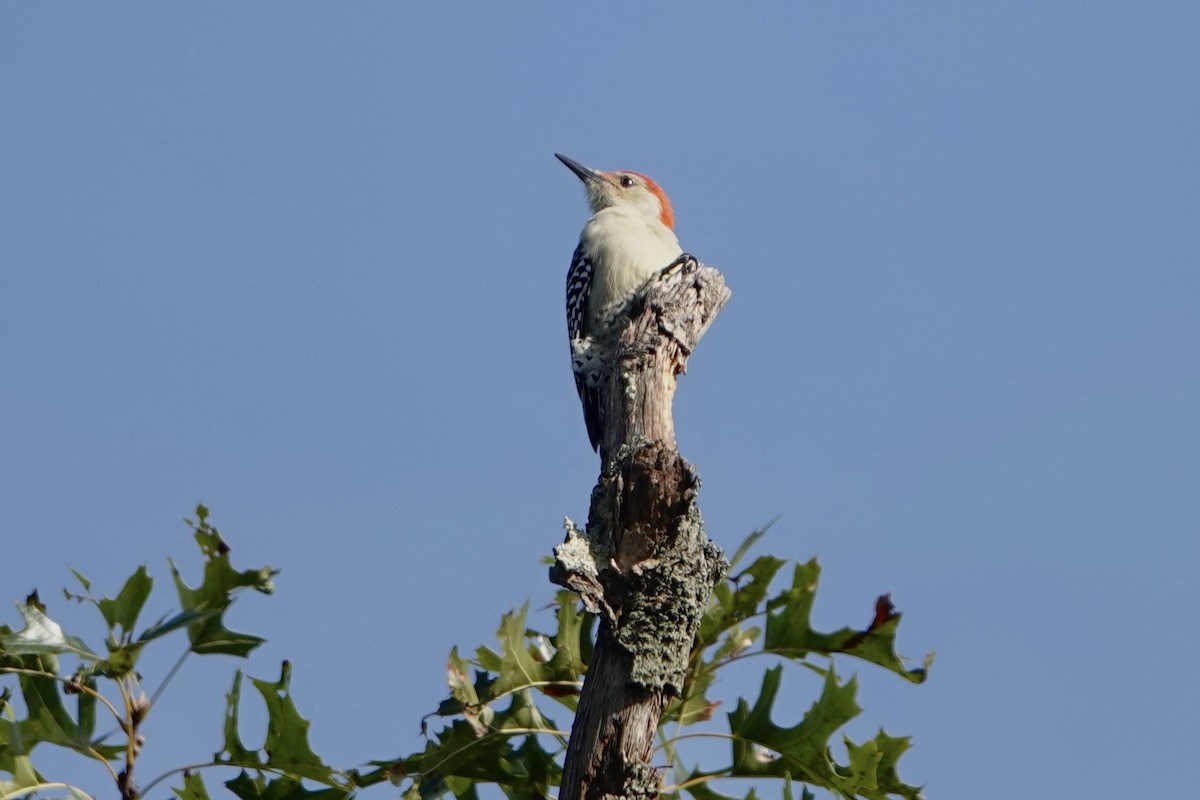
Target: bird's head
(624, 189)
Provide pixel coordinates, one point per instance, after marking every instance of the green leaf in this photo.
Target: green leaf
(461, 750)
(461, 788)
(721, 635)
(42, 635)
(873, 764)
(489, 659)
(208, 633)
(247, 787)
(85, 708)
(14, 752)
(738, 599)
(749, 542)
(480, 749)
(83, 581)
(180, 620)
(790, 634)
(193, 788)
(121, 661)
(517, 667)
(33, 652)
(232, 750)
(703, 790)
(393, 771)
(693, 706)
(805, 794)
(287, 745)
(286, 753)
(535, 771)
(761, 748)
(123, 611)
(460, 754)
(522, 715)
(572, 649)
(284, 787)
(458, 677)
(24, 775)
(551, 664)
(47, 717)
(736, 641)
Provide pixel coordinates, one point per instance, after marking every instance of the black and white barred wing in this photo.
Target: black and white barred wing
(579, 282)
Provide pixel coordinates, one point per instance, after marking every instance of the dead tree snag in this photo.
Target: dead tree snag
(644, 564)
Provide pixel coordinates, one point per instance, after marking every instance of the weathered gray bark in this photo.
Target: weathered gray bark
(644, 564)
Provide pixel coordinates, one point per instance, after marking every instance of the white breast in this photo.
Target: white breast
(627, 249)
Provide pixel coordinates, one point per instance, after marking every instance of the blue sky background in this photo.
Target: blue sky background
(305, 263)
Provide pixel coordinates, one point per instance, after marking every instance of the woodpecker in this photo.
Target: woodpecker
(629, 240)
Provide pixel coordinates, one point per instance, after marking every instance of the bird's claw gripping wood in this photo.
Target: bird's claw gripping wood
(686, 263)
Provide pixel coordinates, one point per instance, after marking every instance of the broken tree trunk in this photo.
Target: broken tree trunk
(644, 564)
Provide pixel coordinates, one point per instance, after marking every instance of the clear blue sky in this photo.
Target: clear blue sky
(305, 263)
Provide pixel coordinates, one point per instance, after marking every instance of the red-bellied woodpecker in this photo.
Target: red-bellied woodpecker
(628, 241)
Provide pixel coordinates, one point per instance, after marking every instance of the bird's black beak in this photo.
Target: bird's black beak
(586, 175)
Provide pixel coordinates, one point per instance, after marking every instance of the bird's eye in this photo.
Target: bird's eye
(627, 181)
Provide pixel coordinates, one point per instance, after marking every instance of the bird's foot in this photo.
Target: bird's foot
(686, 263)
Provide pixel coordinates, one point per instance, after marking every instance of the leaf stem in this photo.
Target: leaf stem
(210, 764)
(189, 768)
(65, 681)
(170, 675)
